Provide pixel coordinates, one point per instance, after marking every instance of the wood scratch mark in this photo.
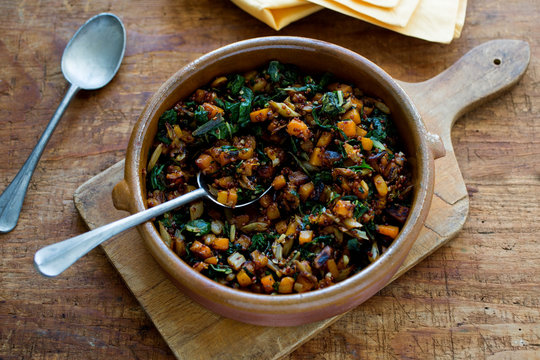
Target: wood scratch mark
(402, 307)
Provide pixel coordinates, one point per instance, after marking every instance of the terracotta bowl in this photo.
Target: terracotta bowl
(309, 55)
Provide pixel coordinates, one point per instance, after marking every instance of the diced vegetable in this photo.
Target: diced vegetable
(155, 157)
(345, 88)
(196, 210)
(306, 190)
(286, 285)
(305, 236)
(201, 250)
(243, 278)
(343, 208)
(324, 139)
(236, 260)
(291, 229)
(268, 283)
(353, 115)
(273, 212)
(207, 164)
(316, 157)
(380, 185)
(259, 115)
(212, 110)
(164, 234)
(228, 197)
(299, 129)
(218, 82)
(367, 143)
(211, 260)
(388, 230)
(348, 127)
(216, 226)
(279, 182)
(329, 154)
(283, 110)
(332, 267)
(260, 260)
(220, 244)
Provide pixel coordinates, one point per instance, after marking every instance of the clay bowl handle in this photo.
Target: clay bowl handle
(122, 196)
(480, 75)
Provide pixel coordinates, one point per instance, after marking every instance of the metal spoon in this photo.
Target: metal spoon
(90, 61)
(52, 260)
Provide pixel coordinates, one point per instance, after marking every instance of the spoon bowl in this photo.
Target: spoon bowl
(93, 56)
(90, 61)
(202, 184)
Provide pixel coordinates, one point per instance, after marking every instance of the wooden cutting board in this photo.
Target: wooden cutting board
(192, 332)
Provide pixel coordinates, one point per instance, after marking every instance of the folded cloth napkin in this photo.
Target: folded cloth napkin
(460, 21)
(399, 15)
(277, 13)
(432, 20)
(383, 3)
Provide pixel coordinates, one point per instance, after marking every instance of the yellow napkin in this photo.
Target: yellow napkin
(277, 13)
(460, 21)
(383, 3)
(398, 15)
(432, 20)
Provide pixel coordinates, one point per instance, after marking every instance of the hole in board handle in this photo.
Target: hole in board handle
(497, 61)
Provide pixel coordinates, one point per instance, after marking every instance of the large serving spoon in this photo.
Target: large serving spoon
(53, 259)
(90, 61)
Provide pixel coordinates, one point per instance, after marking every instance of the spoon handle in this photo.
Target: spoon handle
(12, 198)
(52, 260)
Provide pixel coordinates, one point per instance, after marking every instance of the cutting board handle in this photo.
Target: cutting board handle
(480, 75)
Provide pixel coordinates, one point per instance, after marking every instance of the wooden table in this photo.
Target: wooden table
(477, 297)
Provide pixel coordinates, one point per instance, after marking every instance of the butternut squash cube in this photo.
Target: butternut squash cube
(324, 139)
(305, 236)
(388, 230)
(306, 190)
(353, 115)
(367, 143)
(346, 89)
(220, 244)
(202, 251)
(348, 127)
(227, 197)
(380, 185)
(207, 164)
(344, 208)
(316, 157)
(286, 285)
(268, 283)
(279, 182)
(212, 110)
(291, 229)
(211, 260)
(243, 278)
(259, 115)
(298, 128)
(273, 212)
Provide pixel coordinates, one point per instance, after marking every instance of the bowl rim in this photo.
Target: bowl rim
(284, 303)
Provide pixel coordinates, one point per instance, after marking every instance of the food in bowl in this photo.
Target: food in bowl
(341, 184)
(316, 57)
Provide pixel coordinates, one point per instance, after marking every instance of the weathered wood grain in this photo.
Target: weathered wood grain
(476, 297)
